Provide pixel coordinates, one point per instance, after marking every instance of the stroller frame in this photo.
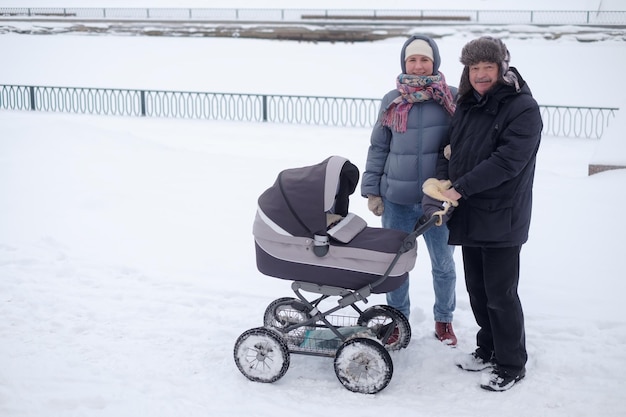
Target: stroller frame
(347, 298)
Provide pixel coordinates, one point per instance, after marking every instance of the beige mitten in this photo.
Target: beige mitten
(375, 204)
(433, 187)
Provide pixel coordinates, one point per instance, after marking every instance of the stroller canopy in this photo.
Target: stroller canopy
(300, 197)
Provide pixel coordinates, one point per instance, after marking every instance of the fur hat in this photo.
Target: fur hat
(484, 49)
(418, 47)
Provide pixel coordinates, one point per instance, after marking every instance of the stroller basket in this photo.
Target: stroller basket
(319, 340)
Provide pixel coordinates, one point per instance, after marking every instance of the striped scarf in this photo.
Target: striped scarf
(415, 89)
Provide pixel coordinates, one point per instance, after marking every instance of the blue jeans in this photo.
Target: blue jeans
(404, 217)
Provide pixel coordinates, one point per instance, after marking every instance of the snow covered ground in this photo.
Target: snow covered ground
(127, 267)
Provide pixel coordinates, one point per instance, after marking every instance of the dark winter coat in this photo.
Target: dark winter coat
(494, 142)
(398, 163)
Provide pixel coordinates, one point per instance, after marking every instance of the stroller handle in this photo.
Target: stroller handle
(422, 225)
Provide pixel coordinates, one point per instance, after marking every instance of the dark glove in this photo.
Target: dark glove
(433, 207)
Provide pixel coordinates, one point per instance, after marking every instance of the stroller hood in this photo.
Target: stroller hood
(299, 199)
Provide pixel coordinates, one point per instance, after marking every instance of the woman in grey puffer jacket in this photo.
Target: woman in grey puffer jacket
(405, 143)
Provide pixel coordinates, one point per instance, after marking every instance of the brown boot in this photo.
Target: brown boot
(445, 334)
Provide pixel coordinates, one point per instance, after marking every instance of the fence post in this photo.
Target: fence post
(264, 108)
(142, 95)
(33, 106)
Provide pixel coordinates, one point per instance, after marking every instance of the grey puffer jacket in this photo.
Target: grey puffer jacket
(398, 163)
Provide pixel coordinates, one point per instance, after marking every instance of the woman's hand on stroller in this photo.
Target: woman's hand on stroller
(434, 203)
(433, 207)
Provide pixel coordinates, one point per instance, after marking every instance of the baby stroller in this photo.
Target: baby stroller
(304, 233)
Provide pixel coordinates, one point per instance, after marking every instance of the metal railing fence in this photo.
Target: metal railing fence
(545, 17)
(564, 121)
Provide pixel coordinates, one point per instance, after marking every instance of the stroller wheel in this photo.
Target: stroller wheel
(363, 365)
(284, 312)
(389, 325)
(261, 355)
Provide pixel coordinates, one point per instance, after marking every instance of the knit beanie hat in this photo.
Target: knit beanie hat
(486, 49)
(422, 47)
(418, 47)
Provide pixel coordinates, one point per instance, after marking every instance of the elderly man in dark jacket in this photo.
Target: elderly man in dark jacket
(493, 144)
